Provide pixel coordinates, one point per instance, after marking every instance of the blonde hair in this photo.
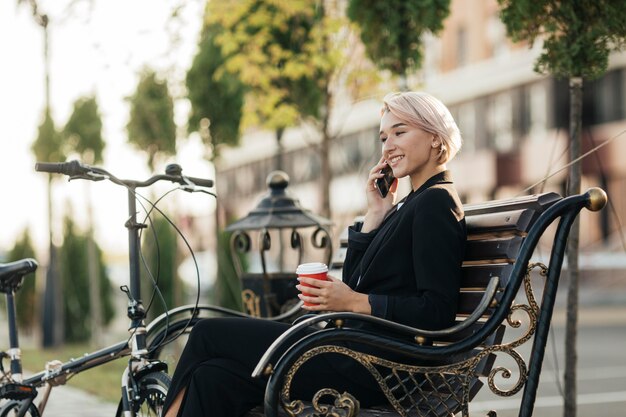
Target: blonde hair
(429, 114)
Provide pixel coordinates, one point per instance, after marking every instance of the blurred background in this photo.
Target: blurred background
(232, 90)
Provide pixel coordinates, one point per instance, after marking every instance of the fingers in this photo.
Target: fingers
(379, 166)
(310, 291)
(334, 279)
(314, 282)
(315, 292)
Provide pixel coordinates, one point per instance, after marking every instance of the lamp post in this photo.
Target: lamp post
(270, 242)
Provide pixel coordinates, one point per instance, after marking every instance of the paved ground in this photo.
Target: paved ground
(67, 401)
(601, 373)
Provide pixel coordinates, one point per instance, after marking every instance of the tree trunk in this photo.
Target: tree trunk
(571, 355)
(280, 150)
(53, 332)
(325, 168)
(93, 265)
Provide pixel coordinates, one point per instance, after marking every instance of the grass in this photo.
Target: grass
(102, 381)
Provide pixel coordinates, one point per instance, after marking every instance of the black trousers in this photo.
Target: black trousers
(217, 363)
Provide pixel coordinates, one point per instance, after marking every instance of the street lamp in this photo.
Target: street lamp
(270, 242)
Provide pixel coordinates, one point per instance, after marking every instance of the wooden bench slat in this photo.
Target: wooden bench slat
(469, 300)
(493, 249)
(537, 202)
(477, 277)
(509, 222)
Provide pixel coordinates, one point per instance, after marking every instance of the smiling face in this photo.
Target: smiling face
(409, 150)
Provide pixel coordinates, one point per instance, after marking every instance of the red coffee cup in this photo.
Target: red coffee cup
(315, 270)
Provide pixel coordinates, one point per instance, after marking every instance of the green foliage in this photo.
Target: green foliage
(273, 47)
(83, 131)
(392, 30)
(227, 283)
(219, 99)
(578, 35)
(160, 256)
(25, 298)
(48, 144)
(74, 272)
(151, 127)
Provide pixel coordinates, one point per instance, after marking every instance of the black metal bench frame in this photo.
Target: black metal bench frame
(502, 237)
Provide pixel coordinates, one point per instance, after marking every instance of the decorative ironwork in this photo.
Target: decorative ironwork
(320, 238)
(251, 302)
(430, 390)
(240, 244)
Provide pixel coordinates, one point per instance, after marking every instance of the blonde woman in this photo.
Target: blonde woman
(402, 264)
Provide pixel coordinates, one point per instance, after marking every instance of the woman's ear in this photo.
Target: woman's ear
(436, 142)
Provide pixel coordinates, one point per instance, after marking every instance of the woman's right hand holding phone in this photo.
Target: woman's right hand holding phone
(377, 206)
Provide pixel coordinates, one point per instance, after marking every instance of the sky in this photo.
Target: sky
(96, 46)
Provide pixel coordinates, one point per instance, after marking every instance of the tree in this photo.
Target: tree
(392, 31)
(218, 99)
(292, 56)
(265, 45)
(578, 37)
(47, 147)
(216, 112)
(25, 298)
(73, 260)
(83, 135)
(151, 127)
(83, 131)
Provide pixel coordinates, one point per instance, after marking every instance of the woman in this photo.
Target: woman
(402, 264)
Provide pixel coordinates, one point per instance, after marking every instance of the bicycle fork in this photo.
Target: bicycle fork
(138, 365)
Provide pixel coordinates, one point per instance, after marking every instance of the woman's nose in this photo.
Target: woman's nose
(388, 146)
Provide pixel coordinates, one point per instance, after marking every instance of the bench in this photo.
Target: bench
(502, 236)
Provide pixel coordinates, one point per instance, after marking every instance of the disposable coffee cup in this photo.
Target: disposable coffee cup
(315, 270)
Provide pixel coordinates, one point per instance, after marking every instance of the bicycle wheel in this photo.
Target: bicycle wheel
(152, 392)
(11, 408)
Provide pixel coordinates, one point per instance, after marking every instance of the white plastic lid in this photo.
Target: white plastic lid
(311, 268)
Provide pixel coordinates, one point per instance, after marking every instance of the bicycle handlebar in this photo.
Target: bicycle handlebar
(76, 170)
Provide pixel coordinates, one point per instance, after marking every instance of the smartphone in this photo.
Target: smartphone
(383, 184)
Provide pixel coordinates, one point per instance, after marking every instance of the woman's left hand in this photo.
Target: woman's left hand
(332, 295)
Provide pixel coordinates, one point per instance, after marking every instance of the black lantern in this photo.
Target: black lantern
(270, 242)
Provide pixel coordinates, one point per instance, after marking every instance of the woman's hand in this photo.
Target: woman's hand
(332, 295)
(377, 207)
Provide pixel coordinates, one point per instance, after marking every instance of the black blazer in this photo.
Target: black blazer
(411, 265)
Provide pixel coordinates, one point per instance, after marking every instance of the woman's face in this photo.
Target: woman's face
(407, 149)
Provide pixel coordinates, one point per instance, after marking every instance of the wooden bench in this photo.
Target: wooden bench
(502, 236)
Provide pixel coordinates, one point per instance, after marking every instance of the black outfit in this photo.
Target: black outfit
(427, 228)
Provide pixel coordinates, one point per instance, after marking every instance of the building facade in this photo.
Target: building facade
(514, 124)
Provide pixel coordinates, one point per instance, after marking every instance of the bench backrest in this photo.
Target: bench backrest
(495, 233)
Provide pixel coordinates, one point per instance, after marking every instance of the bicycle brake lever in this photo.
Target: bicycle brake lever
(126, 290)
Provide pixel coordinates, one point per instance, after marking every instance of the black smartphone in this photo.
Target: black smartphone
(384, 183)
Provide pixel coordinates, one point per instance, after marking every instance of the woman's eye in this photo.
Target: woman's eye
(399, 133)
(383, 140)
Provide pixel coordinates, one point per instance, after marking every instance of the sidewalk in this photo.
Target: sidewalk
(66, 401)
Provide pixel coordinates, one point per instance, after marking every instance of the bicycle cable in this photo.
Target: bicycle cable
(195, 262)
(100, 173)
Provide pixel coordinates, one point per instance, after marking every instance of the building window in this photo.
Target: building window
(499, 122)
(538, 108)
(461, 47)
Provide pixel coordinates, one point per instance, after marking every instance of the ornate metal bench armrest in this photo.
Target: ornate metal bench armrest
(289, 313)
(485, 303)
(295, 332)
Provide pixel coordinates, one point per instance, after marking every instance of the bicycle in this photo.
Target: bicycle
(145, 380)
